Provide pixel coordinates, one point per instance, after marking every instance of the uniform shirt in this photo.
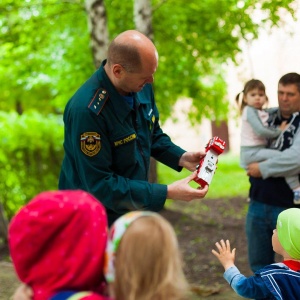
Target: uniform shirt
(108, 146)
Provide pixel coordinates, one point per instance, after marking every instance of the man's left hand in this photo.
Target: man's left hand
(190, 160)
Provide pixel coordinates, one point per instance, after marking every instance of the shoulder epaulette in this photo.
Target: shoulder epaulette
(98, 101)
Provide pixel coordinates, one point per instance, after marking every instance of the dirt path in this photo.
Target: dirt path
(8, 280)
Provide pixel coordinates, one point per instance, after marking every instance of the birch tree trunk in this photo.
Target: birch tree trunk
(143, 17)
(143, 23)
(97, 22)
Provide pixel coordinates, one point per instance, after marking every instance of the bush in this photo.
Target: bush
(30, 157)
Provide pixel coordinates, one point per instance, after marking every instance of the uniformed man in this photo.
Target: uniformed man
(112, 128)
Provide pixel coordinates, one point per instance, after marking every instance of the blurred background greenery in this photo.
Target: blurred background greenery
(230, 180)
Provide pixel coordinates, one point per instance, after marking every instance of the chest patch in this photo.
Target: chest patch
(90, 143)
(125, 140)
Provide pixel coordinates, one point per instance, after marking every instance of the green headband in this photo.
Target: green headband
(288, 228)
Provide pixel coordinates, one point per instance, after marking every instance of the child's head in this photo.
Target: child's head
(57, 242)
(254, 94)
(143, 259)
(288, 233)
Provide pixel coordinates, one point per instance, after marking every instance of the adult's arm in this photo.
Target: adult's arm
(287, 163)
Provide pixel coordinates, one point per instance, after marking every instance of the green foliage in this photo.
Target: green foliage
(30, 157)
(45, 53)
(46, 56)
(196, 39)
(230, 180)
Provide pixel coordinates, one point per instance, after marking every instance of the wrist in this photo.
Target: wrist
(228, 266)
(169, 192)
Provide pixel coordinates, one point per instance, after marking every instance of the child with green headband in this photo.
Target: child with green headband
(276, 281)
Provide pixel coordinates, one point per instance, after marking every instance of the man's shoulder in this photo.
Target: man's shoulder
(92, 95)
(98, 101)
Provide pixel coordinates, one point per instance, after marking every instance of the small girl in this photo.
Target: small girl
(143, 259)
(275, 281)
(255, 131)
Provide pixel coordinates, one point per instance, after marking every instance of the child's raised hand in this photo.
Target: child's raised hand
(225, 255)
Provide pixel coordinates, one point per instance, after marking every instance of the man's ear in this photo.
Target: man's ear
(118, 70)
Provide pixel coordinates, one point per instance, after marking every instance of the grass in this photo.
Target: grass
(229, 181)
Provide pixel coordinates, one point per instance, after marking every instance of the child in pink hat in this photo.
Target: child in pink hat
(57, 243)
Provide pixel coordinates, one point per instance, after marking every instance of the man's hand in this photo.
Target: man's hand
(190, 160)
(181, 190)
(225, 255)
(253, 170)
(23, 292)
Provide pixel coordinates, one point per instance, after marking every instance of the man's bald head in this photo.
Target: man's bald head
(131, 49)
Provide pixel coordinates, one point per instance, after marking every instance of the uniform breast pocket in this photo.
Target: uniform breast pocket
(124, 150)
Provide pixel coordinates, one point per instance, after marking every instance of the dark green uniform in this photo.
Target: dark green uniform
(108, 147)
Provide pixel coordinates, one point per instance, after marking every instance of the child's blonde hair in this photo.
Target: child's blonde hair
(249, 86)
(148, 263)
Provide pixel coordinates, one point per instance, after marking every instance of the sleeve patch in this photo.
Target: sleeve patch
(90, 143)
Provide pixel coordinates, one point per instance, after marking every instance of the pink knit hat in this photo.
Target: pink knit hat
(57, 242)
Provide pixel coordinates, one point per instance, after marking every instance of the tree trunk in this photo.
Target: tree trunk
(143, 23)
(3, 224)
(143, 17)
(19, 107)
(98, 29)
(221, 130)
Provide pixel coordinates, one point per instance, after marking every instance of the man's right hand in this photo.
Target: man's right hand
(181, 190)
(253, 170)
(23, 292)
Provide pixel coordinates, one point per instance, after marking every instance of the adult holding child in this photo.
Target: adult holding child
(269, 192)
(255, 130)
(112, 129)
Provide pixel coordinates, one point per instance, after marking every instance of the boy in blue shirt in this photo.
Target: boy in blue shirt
(275, 281)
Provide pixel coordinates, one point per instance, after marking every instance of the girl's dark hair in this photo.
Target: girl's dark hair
(249, 86)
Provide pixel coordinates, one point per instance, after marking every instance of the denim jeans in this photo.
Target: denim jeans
(260, 222)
